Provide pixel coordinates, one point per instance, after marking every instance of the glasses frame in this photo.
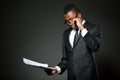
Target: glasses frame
(67, 22)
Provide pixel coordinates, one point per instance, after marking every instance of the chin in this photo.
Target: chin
(73, 26)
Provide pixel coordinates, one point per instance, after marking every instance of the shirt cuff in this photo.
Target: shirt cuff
(84, 32)
(58, 69)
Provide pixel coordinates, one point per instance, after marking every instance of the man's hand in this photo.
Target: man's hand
(51, 71)
(79, 23)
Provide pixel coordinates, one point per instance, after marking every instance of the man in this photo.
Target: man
(78, 55)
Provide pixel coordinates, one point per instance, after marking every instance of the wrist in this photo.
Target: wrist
(81, 28)
(58, 69)
(84, 32)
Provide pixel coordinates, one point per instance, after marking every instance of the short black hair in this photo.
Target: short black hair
(71, 7)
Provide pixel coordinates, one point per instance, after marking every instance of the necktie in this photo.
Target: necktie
(76, 36)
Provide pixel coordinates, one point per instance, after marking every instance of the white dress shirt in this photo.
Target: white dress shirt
(71, 39)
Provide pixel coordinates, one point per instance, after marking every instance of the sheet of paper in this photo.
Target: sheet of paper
(36, 64)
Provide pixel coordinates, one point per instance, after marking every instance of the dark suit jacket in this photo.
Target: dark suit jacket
(79, 60)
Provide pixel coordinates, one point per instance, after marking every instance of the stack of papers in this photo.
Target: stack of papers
(36, 64)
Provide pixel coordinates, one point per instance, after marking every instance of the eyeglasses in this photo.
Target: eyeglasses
(67, 22)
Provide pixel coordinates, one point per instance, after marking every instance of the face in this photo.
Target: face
(69, 18)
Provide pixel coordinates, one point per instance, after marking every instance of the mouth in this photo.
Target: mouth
(74, 26)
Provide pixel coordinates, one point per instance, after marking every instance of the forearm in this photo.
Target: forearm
(62, 66)
(93, 41)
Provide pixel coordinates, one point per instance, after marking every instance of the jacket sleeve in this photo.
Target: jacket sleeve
(94, 38)
(63, 63)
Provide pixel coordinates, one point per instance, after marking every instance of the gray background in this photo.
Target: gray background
(33, 29)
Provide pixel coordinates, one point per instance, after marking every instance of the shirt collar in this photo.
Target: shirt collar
(83, 22)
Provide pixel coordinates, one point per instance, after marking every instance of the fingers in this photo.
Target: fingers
(50, 71)
(53, 71)
(78, 20)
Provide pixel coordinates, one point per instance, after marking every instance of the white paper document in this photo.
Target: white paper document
(36, 64)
